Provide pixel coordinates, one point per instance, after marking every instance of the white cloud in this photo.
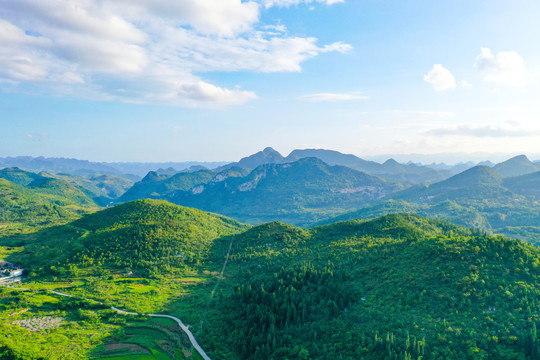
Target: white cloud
(334, 97)
(486, 131)
(443, 114)
(466, 84)
(148, 51)
(287, 3)
(506, 68)
(209, 17)
(37, 136)
(440, 78)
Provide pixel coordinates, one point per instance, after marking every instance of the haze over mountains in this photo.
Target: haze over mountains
(364, 261)
(310, 186)
(387, 167)
(131, 170)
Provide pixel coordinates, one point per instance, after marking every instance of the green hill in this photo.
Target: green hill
(390, 170)
(479, 197)
(19, 204)
(148, 236)
(298, 192)
(102, 189)
(516, 166)
(155, 186)
(474, 176)
(527, 185)
(479, 182)
(44, 202)
(97, 190)
(113, 186)
(395, 287)
(18, 176)
(61, 192)
(266, 156)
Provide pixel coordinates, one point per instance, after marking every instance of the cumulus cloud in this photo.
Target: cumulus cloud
(506, 68)
(486, 131)
(287, 3)
(147, 51)
(334, 97)
(440, 78)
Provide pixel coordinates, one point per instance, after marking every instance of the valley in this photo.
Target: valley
(308, 261)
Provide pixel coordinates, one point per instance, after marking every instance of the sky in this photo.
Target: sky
(209, 80)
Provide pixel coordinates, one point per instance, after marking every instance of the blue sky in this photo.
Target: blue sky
(218, 79)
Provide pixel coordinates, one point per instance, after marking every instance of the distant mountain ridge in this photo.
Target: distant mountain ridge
(478, 197)
(131, 170)
(297, 191)
(516, 166)
(100, 190)
(390, 170)
(292, 192)
(156, 186)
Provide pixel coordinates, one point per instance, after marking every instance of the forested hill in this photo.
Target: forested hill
(100, 190)
(146, 236)
(157, 186)
(390, 170)
(298, 192)
(516, 166)
(396, 287)
(478, 197)
(42, 202)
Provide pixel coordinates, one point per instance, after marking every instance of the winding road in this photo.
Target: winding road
(194, 342)
(186, 330)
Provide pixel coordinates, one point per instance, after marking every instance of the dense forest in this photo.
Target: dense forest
(396, 287)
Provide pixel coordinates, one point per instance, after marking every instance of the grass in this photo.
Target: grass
(71, 340)
(79, 339)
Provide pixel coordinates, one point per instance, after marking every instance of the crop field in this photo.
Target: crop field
(84, 328)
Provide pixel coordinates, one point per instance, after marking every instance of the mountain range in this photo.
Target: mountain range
(304, 190)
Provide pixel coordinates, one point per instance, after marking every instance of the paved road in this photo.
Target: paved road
(59, 293)
(186, 330)
(123, 311)
(178, 321)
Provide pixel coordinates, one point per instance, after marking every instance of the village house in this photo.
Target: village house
(9, 270)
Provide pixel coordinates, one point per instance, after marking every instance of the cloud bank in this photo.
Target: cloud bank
(147, 51)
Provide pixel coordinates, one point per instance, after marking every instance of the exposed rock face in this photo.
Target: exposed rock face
(197, 189)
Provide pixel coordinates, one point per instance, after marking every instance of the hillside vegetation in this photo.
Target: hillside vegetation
(299, 192)
(479, 197)
(155, 186)
(144, 236)
(395, 287)
(24, 209)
